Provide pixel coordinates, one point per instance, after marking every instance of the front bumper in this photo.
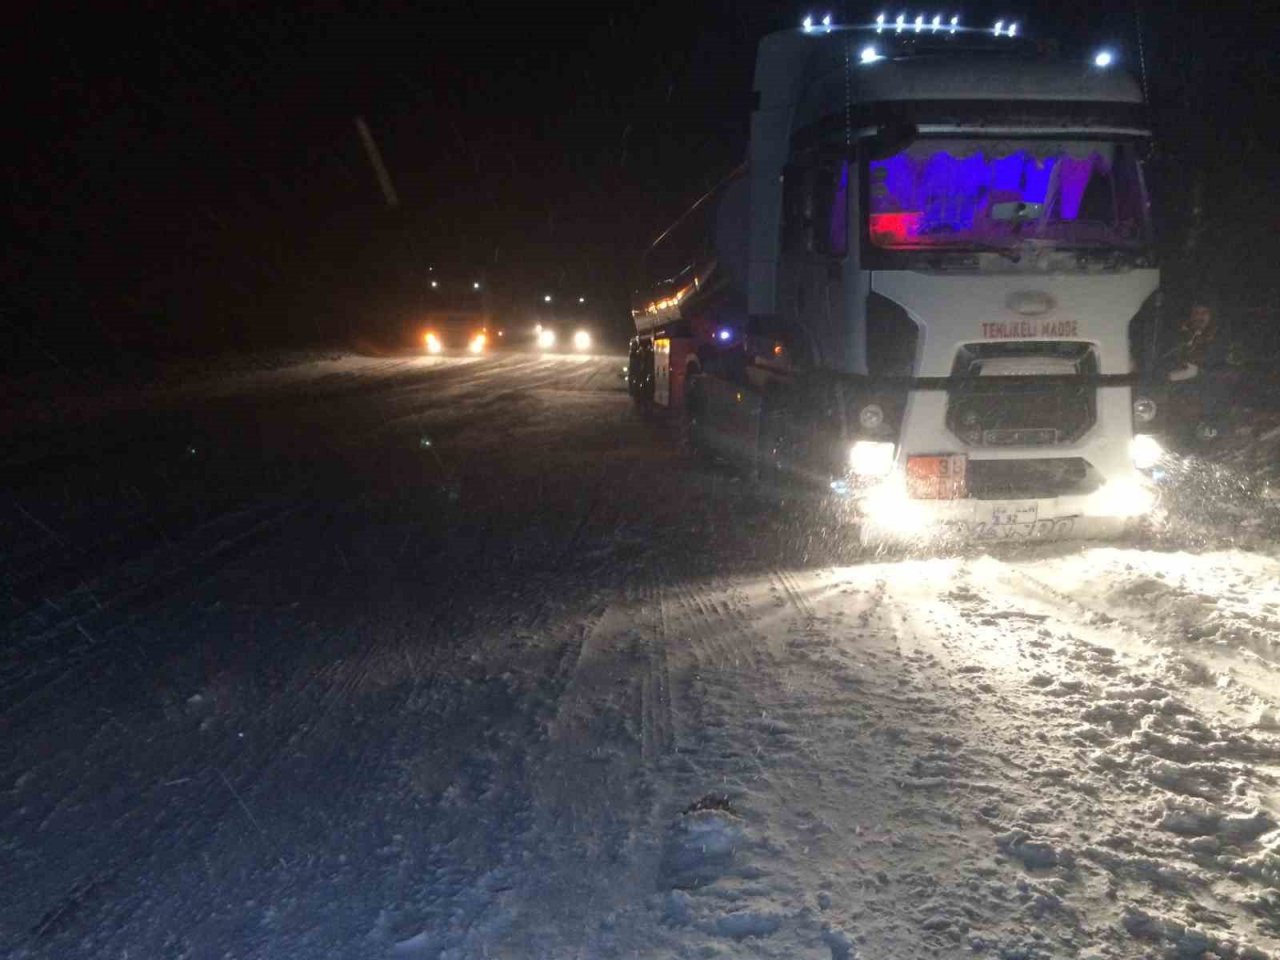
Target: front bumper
(886, 513)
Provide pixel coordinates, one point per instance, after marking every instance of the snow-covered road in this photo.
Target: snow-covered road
(460, 658)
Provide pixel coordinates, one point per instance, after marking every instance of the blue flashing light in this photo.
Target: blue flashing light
(724, 334)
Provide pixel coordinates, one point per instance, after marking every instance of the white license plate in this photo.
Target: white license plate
(1014, 514)
(1054, 529)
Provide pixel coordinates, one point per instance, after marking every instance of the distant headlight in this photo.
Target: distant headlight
(1145, 450)
(546, 338)
(477, 343)
(871, 458)
(582, 340)
(433, 343)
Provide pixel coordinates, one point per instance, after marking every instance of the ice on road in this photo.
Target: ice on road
(461, 658)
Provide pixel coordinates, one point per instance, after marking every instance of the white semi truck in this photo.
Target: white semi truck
(931, 287)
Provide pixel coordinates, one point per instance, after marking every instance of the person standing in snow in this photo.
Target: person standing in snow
(1202, 359)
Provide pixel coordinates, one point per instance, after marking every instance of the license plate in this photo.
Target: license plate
(1010, 514)
(1053, 529)
(941, 477)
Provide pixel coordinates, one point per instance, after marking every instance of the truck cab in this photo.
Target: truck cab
(948, 283)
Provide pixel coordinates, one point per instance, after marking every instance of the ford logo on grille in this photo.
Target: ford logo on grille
(1030, 303)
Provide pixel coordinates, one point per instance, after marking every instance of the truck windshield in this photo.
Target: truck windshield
(983, 193)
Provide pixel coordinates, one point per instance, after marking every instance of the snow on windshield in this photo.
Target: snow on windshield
(959, 192)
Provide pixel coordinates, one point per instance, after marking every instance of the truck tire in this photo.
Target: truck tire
(640, 375)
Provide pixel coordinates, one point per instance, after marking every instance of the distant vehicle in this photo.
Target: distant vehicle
(931, 287)
(458, 317)
(563, 325)
(560, 337)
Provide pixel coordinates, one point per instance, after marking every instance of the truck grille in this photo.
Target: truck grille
(1030, 479)
(983, 411)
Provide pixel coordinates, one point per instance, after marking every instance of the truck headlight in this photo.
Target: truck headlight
(582, 340)
(478, 343)
(546, 338)
(871, 458)
(1124, 498)
(1144, 410)
(1145, 451)
(433, 343)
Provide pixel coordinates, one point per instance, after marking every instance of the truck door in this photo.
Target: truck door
(815, 246)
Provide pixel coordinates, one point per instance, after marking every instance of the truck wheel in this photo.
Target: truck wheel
(640, 376)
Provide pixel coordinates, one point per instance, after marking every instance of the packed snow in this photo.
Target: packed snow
(462, 658)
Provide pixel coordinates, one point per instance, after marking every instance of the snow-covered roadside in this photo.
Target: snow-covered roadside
(541, 687)
(1213, 615)
(889, 760)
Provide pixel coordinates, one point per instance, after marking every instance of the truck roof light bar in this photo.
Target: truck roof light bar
(933, 23)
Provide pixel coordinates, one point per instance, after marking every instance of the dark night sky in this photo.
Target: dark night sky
(186, 176)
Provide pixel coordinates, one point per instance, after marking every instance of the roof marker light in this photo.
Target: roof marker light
(826, 21)
(1103, 59)
(1013, 29)
(879, 23)
(902, 18)
(807, 23)
(999, 28)
(919, 22)
(937, 22)
(955, 24)
(870, 55)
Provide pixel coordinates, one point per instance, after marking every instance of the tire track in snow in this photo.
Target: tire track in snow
(115, 612)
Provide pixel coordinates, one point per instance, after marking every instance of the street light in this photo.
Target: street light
(546, 298)
(582, 299)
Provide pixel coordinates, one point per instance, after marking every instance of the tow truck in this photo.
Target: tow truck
(931, 288)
